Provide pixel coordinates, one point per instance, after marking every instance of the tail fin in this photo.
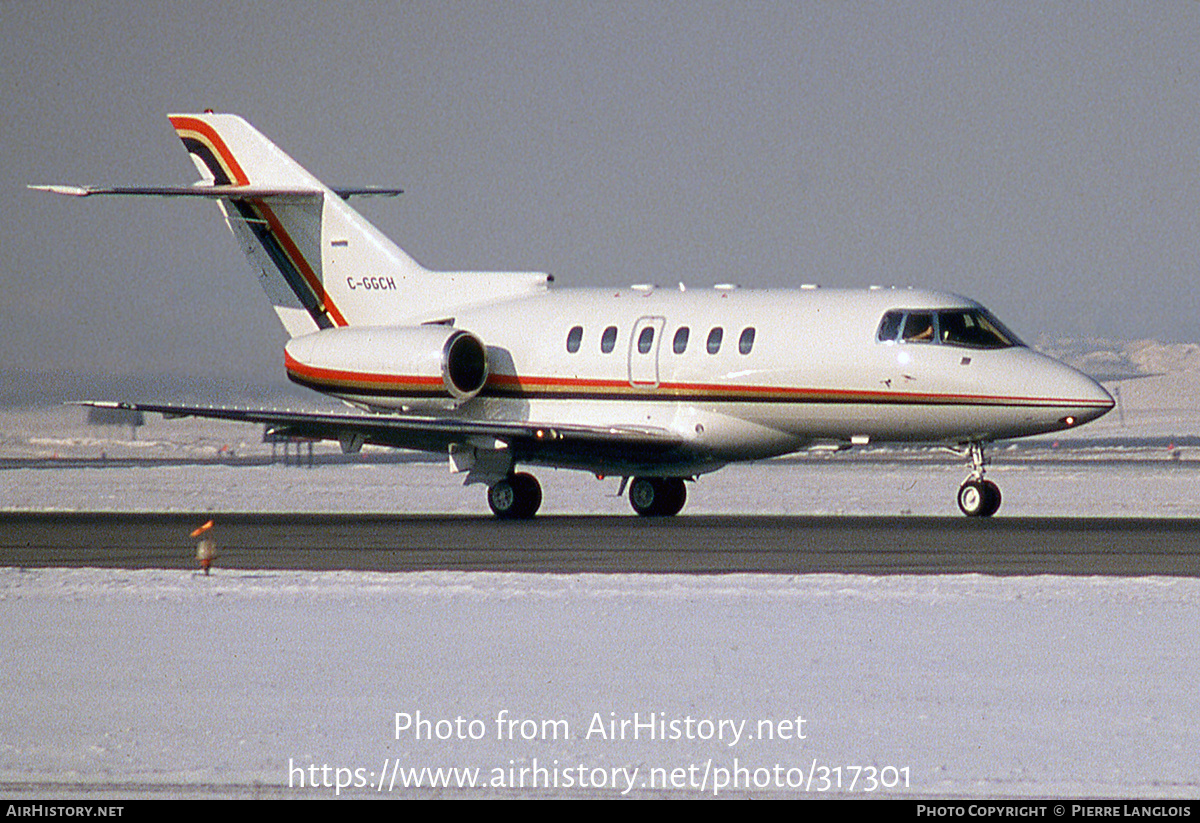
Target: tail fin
(321, 264)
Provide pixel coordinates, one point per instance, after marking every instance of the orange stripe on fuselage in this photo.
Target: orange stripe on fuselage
(666, 389)
(518, 386)
(342, 378)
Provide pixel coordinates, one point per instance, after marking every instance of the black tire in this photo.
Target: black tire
(657, 496)
(644, 494)
(979, 498)
(674, 495)
(993, 498)
(530, 493)
(516, 497)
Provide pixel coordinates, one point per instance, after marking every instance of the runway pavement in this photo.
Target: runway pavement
(685, 544)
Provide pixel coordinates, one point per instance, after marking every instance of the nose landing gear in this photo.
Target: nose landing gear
(978, 497)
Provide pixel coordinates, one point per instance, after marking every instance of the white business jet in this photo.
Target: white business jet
(497, 370)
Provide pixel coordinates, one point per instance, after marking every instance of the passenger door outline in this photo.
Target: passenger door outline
(643, 368)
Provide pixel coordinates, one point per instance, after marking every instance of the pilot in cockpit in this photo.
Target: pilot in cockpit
(918, 328)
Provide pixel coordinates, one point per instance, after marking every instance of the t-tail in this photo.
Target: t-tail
(320, 262)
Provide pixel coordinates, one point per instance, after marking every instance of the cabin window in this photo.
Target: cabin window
(645, 340)
(714, 340)
(608, 340)
(574, 338)
(746, 341)
(679, 344)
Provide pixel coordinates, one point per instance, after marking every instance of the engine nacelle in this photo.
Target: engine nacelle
(390, 365)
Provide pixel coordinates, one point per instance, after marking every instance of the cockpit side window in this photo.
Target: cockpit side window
(974, 329)
(889, 327)
(967, 328)
(918, 328)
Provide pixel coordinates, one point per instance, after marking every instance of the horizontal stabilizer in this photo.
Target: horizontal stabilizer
(213, 192)
(216, 192)
(319, 261)
(346, 192)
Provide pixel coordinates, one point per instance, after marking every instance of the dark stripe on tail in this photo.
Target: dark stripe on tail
(266, 238)
(209, 159)
(261, 230)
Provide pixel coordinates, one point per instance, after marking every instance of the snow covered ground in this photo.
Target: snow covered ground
(1143, 468)
(1104, 485)
(121, 683)
(134, 683)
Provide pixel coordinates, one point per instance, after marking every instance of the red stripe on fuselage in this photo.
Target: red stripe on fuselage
(343, 378)
(550, 384)
(547, 387)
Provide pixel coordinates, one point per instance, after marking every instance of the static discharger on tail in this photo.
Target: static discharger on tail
(656, 386)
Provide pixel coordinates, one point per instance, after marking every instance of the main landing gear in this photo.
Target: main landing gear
(657, 496)
(978, 497)
(516, 497)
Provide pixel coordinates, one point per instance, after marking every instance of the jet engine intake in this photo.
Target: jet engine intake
(391, 365)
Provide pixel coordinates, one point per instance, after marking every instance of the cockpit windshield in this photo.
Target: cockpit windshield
(968, 328)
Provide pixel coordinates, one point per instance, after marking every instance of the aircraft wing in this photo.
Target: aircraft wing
(526, 440)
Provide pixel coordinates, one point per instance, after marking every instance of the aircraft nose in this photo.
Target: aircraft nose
(1083, 397)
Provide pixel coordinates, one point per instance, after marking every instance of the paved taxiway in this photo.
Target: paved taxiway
(686, 544)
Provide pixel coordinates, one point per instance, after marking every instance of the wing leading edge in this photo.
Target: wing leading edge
(563, 445)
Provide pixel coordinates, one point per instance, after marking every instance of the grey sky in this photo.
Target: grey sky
(1039, 157)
